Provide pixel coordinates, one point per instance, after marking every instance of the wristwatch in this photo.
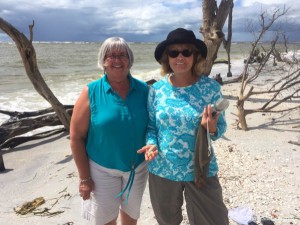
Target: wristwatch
(214, 133)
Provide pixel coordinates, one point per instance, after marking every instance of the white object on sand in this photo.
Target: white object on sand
(242, 215)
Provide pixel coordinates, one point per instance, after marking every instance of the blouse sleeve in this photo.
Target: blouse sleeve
(151, 138)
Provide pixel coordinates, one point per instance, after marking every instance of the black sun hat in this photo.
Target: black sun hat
(180, 36)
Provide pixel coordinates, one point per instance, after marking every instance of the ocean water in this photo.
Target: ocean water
(68, 67)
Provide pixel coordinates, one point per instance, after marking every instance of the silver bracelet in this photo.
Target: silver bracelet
(85, 180)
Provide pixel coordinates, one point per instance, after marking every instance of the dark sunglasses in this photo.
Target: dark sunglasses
(175, 53)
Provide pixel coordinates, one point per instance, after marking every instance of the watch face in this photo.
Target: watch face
(214, 133)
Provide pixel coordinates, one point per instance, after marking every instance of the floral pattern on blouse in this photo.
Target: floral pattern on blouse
(175, 114)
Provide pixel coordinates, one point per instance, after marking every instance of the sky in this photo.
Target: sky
(135, 20)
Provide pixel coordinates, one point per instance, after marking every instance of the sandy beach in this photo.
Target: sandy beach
(259, 169)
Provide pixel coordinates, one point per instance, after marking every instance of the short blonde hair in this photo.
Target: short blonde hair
(114, 43)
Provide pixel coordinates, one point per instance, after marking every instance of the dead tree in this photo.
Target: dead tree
(214, 18)
(28, 55)
(2, 165)
(23, 122)
(289, 82)
(227, 43)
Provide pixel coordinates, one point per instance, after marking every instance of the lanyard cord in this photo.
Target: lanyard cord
(208, 138)
(128, 186)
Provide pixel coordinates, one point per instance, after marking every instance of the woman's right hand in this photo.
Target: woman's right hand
(150, 152)
(209, 120)
(85, 189)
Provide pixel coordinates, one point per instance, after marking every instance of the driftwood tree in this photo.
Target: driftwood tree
(287, 87)
(13, 128)
(227, 42)
(28, 55)
(214, 18)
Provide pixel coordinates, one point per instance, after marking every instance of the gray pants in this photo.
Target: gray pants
(204, 205)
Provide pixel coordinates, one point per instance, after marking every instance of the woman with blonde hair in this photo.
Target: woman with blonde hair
(177, 105)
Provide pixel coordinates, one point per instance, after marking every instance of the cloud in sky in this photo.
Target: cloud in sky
(135, 20)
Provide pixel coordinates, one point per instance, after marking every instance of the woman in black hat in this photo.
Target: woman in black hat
(177, 105)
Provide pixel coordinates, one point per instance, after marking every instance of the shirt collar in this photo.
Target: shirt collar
(107, 86)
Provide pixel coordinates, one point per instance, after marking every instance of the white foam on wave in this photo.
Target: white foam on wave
(145, 76)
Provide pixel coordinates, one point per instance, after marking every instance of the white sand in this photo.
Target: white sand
(258, 169)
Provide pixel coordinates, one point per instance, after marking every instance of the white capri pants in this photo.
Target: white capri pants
(104, 206)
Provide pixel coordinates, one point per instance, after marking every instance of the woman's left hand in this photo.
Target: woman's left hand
(85, 189)
(150, 152)
(209, 120)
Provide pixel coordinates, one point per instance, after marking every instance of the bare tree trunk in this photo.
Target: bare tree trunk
(242, 123)
(227, 43)
(2, 166)
(28, 55)
(214, 19)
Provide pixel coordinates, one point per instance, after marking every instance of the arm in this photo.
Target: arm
(78, 134)
(151, 138)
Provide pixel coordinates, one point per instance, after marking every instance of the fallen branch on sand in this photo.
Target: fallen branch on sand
(29, 207)
(32, 206)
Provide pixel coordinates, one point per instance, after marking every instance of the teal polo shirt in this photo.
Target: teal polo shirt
(117, 127)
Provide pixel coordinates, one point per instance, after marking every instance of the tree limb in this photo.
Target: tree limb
(15, 141)
(28, 56)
